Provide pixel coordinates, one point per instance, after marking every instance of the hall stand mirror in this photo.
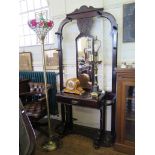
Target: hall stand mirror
(84, 51)
(87, 47)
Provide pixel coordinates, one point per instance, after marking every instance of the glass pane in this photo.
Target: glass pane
(23, 6)
(51, 37)
(26, 30)
(37, 4)
(38, 41)
(30, 5)
(130, 114)
(21, 31)
(20, 7)
(31, 15)
(21, 41)
(27, 40)
(20, 20)
(25, 18)
(44, 3)
(32, 32)
(46, 39)
(33, 39)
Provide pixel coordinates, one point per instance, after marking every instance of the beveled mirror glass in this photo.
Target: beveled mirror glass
(84, 55)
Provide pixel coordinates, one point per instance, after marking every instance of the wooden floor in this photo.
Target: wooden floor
(74, 145)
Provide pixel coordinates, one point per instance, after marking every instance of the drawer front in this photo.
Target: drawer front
(83, 103)
(90, 104)
(62, 99)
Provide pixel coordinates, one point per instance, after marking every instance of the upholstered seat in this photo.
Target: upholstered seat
(35, 110)
(34, 101)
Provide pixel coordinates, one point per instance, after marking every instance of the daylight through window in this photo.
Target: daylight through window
(28, 9)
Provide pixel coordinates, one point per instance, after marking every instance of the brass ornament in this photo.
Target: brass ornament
(73, 86)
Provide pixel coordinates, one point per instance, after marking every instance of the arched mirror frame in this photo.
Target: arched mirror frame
(84, 13)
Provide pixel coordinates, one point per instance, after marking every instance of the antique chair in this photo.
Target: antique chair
(34, 103)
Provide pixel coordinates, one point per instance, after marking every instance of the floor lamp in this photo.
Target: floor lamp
(42, 26)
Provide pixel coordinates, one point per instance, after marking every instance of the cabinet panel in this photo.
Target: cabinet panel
(125, 111)
(130, 113)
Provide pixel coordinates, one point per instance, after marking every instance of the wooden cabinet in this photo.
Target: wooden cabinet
(125, 111)
(24, 86)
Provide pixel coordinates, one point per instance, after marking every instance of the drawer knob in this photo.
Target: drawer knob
(74, 102)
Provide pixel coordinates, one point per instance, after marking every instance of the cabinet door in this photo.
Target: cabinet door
(128, 112)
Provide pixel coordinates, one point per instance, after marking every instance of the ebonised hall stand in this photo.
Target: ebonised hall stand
(84, 16)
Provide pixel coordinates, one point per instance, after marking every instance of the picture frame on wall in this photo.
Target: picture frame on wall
(25, 61)
(129, 22)
(51, 59)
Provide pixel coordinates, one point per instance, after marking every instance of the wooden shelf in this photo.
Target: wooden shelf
(130, 116)
(130, 98)
(129, 119)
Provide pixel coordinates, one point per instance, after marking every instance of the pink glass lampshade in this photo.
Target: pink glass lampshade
(41, 26)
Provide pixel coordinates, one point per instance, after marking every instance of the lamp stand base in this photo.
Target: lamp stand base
(50, 146)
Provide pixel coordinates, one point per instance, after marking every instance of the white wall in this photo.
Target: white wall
(126, 51)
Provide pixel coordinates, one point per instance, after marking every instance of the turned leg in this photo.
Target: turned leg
(63, 113)
(102, 118)
(113, 120)
(69, 120)
(101, 131)
(61, 128)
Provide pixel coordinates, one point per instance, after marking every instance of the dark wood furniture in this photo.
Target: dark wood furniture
(125, 111)
(85, 100)
(84, 17)
(37, 76)
(34, 102)
(23, 85)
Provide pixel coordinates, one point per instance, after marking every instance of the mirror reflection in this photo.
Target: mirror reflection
(85, 56)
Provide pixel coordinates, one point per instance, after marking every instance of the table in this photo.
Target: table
(68, 100)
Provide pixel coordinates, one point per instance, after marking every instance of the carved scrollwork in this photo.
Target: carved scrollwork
(83, 8)
(85, 25)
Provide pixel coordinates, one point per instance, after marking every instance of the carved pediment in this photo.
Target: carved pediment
(84, 8)
(85, 25)
(84, 16)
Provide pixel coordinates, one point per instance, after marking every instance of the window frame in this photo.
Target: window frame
(30, 35)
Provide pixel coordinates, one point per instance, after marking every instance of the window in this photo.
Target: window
(28, 9)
